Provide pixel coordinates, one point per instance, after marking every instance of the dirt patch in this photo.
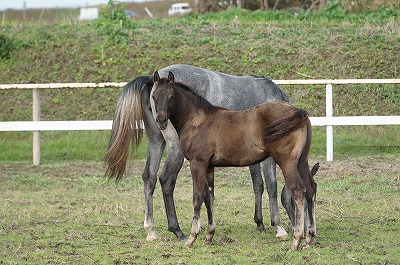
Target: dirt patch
(368, 165)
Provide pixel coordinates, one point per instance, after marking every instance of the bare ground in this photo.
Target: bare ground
(367, 165)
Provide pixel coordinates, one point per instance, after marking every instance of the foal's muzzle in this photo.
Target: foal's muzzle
(162, 121)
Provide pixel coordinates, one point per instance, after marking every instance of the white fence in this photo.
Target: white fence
(329, 121)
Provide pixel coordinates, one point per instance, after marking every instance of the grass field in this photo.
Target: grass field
(65, 212)
(356, 141)
(68, 213)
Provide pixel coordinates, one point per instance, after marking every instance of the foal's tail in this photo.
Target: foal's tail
(127, 127)
(282, 128)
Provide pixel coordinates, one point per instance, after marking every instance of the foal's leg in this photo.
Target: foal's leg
(258, 188)
(209, 202)
(296, 185)
(172, 166)
(311, 189)
(288, 203)
(269, 168)
(199, 172)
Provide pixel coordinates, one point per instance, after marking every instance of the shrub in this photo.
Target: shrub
(114, 24)
(6, 47)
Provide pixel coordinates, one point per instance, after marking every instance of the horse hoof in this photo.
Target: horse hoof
(281, 233)
(181, 238)
(260, 228)
(310, 237)
(207, 242)
(295, 245)
(208, 239)
(151, 237)
(188, 244)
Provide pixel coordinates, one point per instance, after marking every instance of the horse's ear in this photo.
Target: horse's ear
(156, 77)
(171, 77)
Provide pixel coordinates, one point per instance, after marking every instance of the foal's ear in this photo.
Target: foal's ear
(171, 77)
(156, 77)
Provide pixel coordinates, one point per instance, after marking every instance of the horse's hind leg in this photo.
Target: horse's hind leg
(258, 188)
(149, 176)
(296, 185)
(269, 168)
(209, 202)
(288, 203)
(172, 166)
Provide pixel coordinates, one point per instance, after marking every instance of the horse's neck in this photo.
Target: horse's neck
(189, 109)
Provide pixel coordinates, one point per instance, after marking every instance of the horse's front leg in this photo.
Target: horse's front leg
(258, 188)
(311, 191)
(269, 169)
(209, 202)
(172, 166)
(199, 185)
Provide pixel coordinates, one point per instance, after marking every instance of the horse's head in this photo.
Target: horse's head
(163, 96)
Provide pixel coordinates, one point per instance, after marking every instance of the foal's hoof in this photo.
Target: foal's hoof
(190, 241)
(188, 244)
(208, 239)
(295, 245)
(207, 242)
(309, 239)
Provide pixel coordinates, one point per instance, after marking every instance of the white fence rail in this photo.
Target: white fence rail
(329, 121)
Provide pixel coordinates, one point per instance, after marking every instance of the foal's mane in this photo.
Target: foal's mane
(198, 100)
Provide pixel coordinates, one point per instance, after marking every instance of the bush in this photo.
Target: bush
(114, 24)
(6, 47)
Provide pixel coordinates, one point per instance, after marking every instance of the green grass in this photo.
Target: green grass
(60, 146)
(66, 212)
(277, 45)
(92, 145)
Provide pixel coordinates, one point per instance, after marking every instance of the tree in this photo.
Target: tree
(204, 6)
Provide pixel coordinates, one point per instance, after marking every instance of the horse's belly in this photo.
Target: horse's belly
(238, 157)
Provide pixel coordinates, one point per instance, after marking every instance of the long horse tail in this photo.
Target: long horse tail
(283, 127)
(127, 128)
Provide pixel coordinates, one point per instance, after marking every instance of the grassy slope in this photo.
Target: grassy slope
(276, 45)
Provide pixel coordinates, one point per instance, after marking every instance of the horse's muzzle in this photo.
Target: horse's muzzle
(162, 121)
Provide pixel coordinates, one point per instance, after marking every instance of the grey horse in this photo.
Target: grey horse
(220, 89)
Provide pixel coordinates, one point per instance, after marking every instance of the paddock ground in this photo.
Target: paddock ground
(69, 213)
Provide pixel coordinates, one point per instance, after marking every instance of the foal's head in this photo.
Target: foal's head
(163, 96)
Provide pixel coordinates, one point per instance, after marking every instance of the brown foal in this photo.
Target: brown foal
(215, 137)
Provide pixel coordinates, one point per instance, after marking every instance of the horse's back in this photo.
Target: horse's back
(224, 90)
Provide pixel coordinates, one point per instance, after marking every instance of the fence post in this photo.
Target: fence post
(329, 128)
(36, 134)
